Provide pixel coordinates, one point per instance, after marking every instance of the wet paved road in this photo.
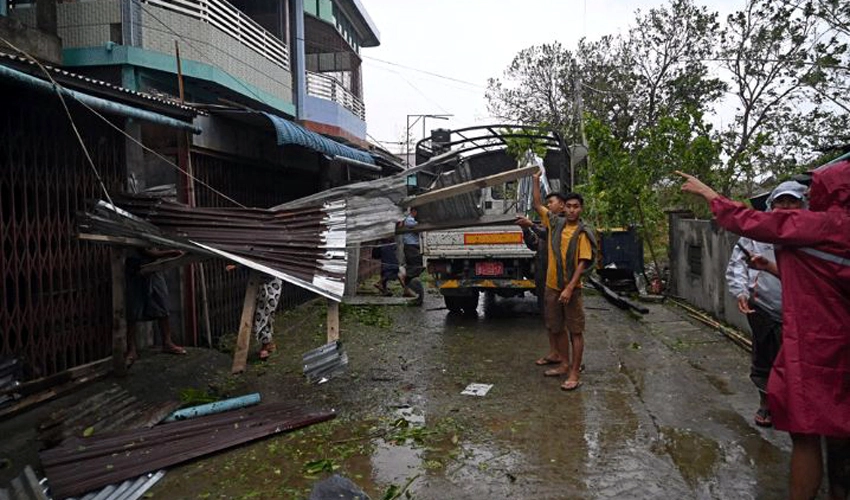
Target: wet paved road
(664, 412)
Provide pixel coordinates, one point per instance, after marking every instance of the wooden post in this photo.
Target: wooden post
(333, 321)
(205, 304)
(352, 272)
(119, 311)
(246, 325)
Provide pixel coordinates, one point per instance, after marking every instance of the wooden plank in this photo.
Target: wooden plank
(485, 220)
(465, 187)
(162, 265)
(377, 300)
(49, 394)
(246, 324)
(333, 321)
(119, 311)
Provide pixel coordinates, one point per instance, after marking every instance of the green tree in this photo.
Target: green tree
(628, 186)
(776, 54)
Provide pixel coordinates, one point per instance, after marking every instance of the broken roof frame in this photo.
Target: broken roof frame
(487, 138)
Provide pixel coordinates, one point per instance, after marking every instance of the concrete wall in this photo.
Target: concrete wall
(699, 252)
(36, 43)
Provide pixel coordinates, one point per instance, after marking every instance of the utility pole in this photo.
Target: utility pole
(407, 130)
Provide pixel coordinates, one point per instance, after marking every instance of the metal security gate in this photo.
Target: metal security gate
(55, 291)
(253, 186)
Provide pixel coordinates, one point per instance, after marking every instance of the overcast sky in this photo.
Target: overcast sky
(469, 41)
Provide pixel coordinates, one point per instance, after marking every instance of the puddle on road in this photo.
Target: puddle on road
(694, 455)
(394, 464)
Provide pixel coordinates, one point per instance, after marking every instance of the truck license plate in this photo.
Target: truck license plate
(489, 268)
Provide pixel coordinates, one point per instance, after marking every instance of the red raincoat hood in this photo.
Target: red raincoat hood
(830, 189)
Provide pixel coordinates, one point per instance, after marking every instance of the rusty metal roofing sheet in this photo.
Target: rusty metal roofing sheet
(86, 81)
(305, 246)
(90, 463)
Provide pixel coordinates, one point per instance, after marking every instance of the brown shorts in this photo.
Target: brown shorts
(560, 317)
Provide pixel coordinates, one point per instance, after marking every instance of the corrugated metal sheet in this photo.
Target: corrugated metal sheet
(87, 464)
(305, 247)
(375, 206)
(24, 487)
(324, 362)
(85, 81)
(131, 489)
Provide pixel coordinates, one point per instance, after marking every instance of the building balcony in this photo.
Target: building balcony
(221, 48)
(331, 89)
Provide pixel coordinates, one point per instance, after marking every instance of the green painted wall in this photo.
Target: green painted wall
(134, 56)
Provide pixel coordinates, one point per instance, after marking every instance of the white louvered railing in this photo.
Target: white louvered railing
(326, 87)
(234, 22)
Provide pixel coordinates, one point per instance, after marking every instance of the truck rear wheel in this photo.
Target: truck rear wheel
(465, 303)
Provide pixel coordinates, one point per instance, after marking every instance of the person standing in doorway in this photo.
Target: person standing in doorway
(147, 300)
(570, 254)
(758, 295)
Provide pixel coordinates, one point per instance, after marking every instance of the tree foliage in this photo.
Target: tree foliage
(778, 67)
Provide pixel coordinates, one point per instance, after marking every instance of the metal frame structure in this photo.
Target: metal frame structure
(471, 141)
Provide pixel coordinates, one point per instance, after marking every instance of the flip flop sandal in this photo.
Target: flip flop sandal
(546, 361)
(174, 350)
(762, 418)
(555, 372)
(570, 386)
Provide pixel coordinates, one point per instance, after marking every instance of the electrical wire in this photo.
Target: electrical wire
(203, 54)
(58, 88)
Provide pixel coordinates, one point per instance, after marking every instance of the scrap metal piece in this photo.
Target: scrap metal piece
(477, 389)
(90, 463)
(324, 363)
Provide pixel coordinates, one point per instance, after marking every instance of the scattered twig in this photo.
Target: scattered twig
(405, 487)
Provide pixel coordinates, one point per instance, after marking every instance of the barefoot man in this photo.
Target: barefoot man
(570, 253)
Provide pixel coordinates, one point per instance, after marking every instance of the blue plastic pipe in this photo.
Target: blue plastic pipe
(212, 408)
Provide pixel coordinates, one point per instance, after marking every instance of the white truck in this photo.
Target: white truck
(493, 259)
(483, 257)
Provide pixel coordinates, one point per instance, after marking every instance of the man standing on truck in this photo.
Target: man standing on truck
(570, 254)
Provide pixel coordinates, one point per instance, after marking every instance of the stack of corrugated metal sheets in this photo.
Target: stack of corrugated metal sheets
(304, 246)
(82, 465)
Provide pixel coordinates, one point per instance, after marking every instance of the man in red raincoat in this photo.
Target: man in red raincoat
(809, 386)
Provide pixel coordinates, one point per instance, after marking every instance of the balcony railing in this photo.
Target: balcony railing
(326, 87)
(230, 20)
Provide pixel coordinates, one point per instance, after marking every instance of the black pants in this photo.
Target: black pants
(413, 261)
(767, 339)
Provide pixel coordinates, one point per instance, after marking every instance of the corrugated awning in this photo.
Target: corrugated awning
(98, 103)
(289, 132)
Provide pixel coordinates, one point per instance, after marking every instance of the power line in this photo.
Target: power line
(414, 87)
(437, 75)
(58, 88)
(203, 54)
